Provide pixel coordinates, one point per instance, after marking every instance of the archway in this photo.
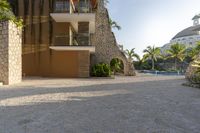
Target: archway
(117, 66)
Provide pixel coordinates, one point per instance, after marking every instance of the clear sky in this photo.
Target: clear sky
(151, 22)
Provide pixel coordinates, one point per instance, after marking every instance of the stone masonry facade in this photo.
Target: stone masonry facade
(105, 42)
(10, 53)
(191, 70)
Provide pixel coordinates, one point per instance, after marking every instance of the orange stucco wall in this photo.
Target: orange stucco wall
(52, 63)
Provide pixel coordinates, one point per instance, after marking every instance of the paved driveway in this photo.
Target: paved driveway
(142, 104)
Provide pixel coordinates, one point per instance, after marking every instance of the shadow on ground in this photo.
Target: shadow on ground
(151, 106)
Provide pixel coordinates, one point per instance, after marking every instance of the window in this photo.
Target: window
(84, 6)
(62, 6)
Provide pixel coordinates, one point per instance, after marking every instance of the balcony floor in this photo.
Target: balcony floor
(91, 49)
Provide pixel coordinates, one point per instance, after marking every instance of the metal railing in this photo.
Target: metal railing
(61, 6)
(66, 6)
(80, 39)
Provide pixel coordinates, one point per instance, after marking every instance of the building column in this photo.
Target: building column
(10, 53)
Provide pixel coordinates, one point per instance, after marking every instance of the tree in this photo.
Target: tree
(177, 52)
(131, 54)
(198, 46)
(4, 5)
(114, 24)
(5, 10)
(151, 53)
(192, 53)
(7, 14)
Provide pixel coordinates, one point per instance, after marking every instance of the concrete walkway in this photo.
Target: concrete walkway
(142, 104)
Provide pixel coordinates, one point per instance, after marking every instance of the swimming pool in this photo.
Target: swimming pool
(175, 73)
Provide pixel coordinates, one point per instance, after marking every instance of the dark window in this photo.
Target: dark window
(61, 6)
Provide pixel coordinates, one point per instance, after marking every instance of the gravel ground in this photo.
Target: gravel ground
(142, 104)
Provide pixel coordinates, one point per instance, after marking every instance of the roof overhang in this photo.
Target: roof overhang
(75, 17)
(91, 49)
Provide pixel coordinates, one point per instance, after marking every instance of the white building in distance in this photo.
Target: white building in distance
(189, 36)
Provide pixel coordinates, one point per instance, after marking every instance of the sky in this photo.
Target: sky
(151, 22)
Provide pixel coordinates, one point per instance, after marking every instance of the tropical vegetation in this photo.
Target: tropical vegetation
(114, 24)
(116, 65)
(195, 77)
(193, 52)
(131, 54)
(177, 52)
(101, 70)
(7, 14)
(152, 53)
(176, 58)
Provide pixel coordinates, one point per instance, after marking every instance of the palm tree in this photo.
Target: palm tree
(114, 24)
(197, 65)
(197, 46)
(131, 54)
(177, 52)
(192, 53)
(151, 53)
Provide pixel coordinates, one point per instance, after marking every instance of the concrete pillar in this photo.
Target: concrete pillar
(10, 53)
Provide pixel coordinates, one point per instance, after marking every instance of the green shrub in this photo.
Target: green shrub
(101, 70)
(116, 65)
(195, 79)
(7, 14)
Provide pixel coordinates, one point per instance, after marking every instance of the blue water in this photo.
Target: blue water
(163, 73)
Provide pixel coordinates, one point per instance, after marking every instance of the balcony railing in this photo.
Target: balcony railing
(80, 39)
(61, 6)
(66, 6)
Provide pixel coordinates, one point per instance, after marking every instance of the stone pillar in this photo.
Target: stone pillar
(10, 53)
(191, 70)
(106, 46)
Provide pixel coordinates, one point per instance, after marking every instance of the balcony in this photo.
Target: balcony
(73, 6)
(77, 42)
(74, 11)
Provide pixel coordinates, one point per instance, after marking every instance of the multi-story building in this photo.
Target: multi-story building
(189, 36)
(63, 38)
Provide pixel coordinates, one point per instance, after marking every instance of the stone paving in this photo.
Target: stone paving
(141, 104)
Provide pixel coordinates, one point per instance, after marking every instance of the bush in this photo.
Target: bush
(116, 65)
(7, 14)
(195, 79)
(101, 70)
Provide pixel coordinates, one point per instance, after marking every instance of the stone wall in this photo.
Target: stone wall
(10, 53)
(105, 42)
(191, 70)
